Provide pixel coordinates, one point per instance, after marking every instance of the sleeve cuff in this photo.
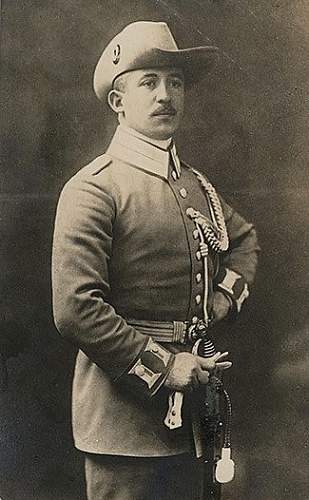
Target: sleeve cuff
(234, 286)
(150, 369)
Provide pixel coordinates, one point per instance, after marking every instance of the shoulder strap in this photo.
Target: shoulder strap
(100, 163)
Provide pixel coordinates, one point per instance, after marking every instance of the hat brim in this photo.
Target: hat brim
(195, 62)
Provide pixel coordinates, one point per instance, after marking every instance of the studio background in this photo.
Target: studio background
(246, 126)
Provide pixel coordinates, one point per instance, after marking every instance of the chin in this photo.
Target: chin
(163, 133)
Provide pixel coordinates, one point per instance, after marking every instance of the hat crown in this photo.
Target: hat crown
(143, 35)
(136, 39)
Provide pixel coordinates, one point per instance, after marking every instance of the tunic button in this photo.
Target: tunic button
(195, 234)
(183, 192)
(174, 175)
(198, 299)
(155, 350)
(139, 371)
(198, 255)
(198, 277)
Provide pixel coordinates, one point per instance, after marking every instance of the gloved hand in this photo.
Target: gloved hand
(190, 371)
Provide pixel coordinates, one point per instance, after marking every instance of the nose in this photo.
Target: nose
(163, 94)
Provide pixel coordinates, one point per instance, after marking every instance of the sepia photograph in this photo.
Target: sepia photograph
(154, 263)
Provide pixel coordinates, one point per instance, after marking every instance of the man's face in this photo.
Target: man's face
(153, 101)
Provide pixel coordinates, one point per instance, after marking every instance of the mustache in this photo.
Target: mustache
(164, 110)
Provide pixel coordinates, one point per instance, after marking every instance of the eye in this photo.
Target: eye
(176, 83)
(149, 84)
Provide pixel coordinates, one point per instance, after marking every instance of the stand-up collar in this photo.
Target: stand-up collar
(140, 151)
(161, 144)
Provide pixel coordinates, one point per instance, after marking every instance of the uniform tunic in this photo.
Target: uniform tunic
(125, 247)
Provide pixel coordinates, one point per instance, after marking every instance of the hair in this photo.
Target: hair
(120, 82)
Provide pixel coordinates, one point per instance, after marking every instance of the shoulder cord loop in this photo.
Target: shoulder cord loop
(214, 231)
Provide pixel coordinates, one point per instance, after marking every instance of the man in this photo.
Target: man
(145, 254)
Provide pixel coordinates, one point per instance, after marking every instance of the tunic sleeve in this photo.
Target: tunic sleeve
(82, 247)
(238, 264)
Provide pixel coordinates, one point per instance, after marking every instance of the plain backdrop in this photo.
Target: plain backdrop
(247, 127)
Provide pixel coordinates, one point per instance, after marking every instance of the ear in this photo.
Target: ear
(114, 99)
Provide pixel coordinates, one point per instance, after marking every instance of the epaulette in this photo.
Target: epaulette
(100, 164)
(93, 168)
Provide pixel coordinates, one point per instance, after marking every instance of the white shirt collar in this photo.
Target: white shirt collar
(140, 151)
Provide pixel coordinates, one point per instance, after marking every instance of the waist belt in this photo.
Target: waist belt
(162, 331)
(176, 332)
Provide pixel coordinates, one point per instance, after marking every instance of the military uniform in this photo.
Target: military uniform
(125, 248)
(130, 273)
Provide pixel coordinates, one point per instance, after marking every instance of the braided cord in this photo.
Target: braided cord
(216, 233)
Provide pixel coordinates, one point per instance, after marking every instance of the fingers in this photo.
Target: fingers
(203, 376)
(220, 355)
(189, 371)
(216, 356)
(207, 363)
(224, 365)
(214, 362)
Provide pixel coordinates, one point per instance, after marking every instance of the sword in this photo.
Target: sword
(215, 452)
